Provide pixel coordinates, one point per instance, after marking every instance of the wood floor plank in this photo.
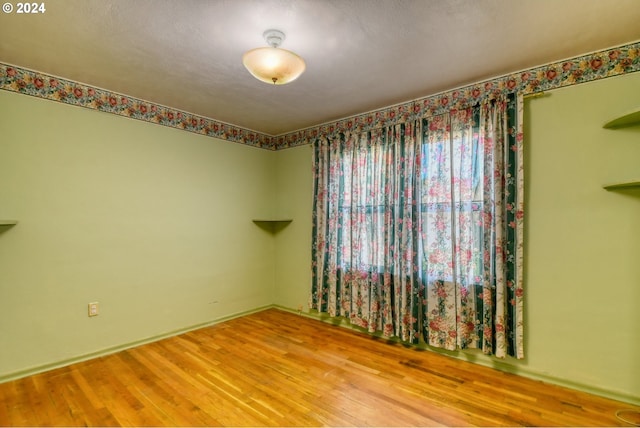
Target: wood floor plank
(275, 368)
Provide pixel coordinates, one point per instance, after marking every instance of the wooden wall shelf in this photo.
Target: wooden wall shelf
(273, 225)
(631, 118)
(628, 119)
(622, 185)
(6, 224)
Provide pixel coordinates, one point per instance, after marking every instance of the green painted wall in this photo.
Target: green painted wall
(153, 223)
(294, 193)
(582, 247)
(582, 267)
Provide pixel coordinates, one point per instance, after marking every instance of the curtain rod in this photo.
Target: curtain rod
(534, 95)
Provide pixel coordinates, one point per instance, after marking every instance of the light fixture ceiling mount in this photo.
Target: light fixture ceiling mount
(274, 38)
(273, 64)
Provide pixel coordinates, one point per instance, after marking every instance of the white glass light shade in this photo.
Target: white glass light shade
(273, 65)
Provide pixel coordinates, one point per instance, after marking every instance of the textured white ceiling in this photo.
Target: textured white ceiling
(361, 55)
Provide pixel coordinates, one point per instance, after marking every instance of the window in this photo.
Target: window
(419, 224)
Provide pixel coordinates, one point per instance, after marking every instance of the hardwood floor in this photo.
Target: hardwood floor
(274, 368)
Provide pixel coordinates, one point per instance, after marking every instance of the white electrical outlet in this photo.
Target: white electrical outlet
(93, 309)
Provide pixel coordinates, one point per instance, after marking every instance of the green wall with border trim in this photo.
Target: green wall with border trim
(582, 247)
(153, 223)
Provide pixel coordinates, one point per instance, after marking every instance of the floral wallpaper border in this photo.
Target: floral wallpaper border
(41, 85)
(586, 68)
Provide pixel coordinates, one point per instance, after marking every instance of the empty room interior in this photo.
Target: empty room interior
(421, 213)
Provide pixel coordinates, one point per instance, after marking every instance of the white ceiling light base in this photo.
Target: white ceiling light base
(272, 64)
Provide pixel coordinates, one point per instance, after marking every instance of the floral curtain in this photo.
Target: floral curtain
(417, 228)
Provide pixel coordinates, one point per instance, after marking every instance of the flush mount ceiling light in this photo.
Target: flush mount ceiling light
(272, 64)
